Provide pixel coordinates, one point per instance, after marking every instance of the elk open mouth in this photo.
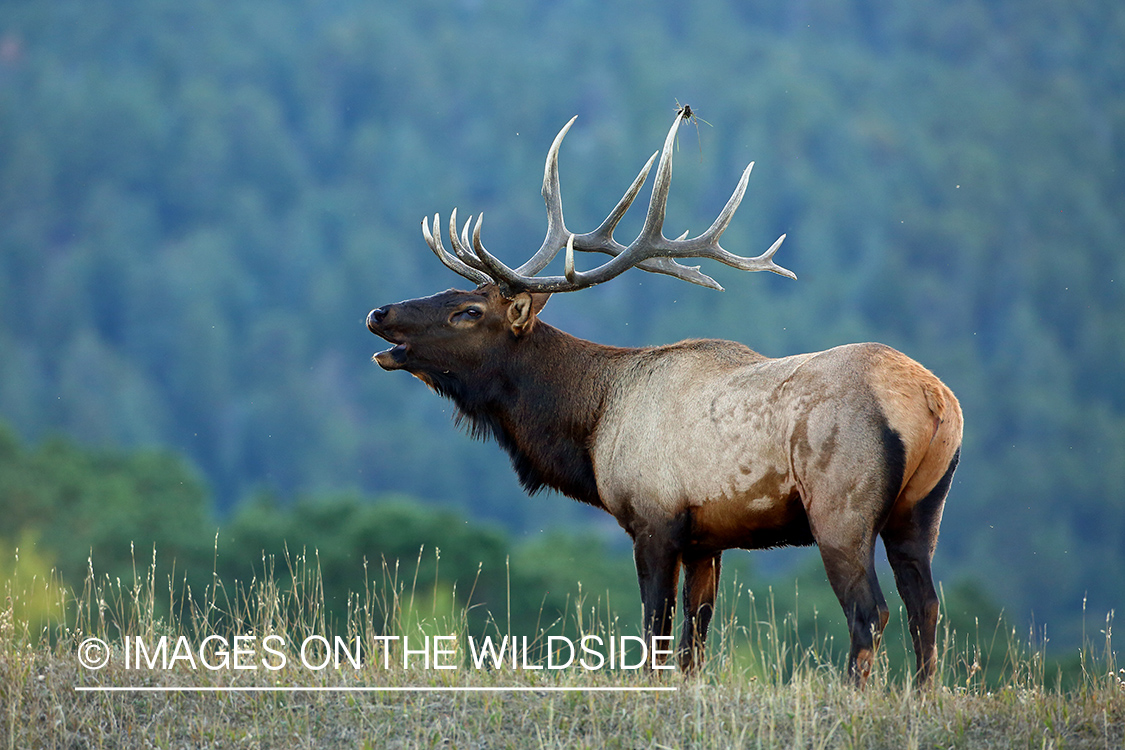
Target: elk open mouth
(393, 358)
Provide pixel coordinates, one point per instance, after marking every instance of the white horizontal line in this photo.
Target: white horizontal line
(329, 689)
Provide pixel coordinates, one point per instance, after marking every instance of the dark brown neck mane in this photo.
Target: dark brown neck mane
(541, 398)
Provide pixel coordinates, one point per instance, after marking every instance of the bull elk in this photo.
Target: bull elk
(694, 447)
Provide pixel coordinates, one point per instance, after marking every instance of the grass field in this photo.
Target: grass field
(231, 673)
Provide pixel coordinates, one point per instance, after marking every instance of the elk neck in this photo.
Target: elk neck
(541, 398)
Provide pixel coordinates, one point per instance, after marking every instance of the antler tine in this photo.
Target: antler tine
(707, 245)
(508, 279)
(552, 197)
(652, 231)
(601, 239)
(494, 266)
(451, 262)
(708, 242)
(461, 246)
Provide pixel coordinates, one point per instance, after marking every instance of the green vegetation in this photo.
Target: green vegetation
(201, 200)
(68, 508)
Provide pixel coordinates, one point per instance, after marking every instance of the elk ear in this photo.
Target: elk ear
(523, 310)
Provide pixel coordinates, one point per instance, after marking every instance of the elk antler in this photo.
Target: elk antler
(650, 251)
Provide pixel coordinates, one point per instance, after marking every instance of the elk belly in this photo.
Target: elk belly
(770, 521)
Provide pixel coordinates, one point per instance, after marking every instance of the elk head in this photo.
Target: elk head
(453, 331)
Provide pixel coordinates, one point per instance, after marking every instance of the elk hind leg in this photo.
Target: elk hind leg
(701, 581)
(910, 538)
(851, 571)
(849, 488)
(846, 538)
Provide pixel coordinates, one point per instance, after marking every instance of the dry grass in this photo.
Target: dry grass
(759, 689)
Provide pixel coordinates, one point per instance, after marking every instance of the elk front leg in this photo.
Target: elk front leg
(658, 568)
(701, 581)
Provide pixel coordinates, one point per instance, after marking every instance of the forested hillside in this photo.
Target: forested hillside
(201, 200)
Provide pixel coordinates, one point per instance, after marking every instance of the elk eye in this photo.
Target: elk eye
(469, 313)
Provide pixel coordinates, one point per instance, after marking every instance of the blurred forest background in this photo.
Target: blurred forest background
(200, 201)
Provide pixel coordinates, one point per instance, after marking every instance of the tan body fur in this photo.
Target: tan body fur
(717, 430)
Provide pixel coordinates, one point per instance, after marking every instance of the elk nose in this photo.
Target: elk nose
(375, 317)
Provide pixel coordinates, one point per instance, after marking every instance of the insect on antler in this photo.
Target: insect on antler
(650, 251)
